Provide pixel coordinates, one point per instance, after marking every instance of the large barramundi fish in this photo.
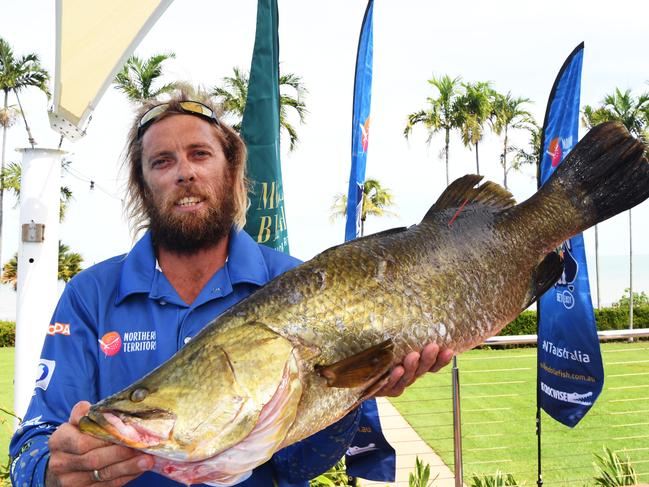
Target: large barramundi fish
(308, 347)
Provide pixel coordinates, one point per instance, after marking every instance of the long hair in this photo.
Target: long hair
(233, 148)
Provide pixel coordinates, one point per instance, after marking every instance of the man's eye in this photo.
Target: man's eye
(158, 162)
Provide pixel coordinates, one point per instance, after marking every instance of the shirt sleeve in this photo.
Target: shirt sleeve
(67, 372)
(316, 454)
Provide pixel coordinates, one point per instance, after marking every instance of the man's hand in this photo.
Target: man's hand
(75, 456)
(415, 365)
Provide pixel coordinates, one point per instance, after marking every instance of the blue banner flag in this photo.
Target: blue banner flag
(265, 219)
(369, 456)
(360, 125)
(570, 371)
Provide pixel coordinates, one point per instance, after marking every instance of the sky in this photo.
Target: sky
(518, 46)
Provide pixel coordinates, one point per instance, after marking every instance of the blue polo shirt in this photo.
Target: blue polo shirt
(121, 318)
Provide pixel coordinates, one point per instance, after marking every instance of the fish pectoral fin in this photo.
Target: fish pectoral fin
(360, 369)
(545, 275)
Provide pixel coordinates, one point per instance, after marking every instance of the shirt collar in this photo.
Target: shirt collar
(245, 263)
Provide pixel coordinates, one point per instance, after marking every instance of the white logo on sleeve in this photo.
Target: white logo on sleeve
(45, 372)
(31, 422)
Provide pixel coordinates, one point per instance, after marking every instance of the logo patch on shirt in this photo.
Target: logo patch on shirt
(110, 343)
(31, 422)
(59, 329)
(139, 341)
(45, 373)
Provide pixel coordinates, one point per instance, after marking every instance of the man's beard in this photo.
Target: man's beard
(186, 233)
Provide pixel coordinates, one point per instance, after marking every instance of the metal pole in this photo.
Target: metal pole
(597, 266)
(630, 277)
(37, 293)
(539, 473)
(457, 426)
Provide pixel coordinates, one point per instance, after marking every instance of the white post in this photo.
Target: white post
(38, 250)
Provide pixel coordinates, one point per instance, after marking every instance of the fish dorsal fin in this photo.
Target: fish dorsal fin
(360, 369)
(463, 192)
(544, 276)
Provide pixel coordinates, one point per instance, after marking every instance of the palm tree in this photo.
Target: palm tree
(233, 93)
(375, 201)
(10, 179)
(69, 266)
(440, 114)
(474, 110)
(633, 113)
(17, 74)
(532, 153)
(509, 114)
(138, 76)
(623, 107)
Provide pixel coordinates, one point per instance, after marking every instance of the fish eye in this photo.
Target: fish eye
(139, 395)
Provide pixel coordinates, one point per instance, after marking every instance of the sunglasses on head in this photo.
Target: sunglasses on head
(187, 106)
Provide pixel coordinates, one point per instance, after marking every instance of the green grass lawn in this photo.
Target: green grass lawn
(498, 416)
(6, 399)
(498, 411)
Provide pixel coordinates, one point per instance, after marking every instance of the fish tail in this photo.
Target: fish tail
(605, 174)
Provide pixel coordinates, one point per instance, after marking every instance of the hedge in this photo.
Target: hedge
(7, 334)
(525, 324)
(606, 319)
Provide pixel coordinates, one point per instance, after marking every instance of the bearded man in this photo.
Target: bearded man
(129, 314)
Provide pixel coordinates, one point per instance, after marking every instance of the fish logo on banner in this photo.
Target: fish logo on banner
(570, 371)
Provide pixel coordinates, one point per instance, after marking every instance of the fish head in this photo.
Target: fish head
(204, 400)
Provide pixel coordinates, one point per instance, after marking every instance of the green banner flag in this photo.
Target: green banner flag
(265, 220)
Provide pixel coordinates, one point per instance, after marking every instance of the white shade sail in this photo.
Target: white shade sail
(93, 41)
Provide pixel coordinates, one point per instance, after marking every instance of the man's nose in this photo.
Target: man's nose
(186, 171)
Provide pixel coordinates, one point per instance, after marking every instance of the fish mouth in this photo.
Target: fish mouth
(136, 430)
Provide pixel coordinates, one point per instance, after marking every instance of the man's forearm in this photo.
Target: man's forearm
(29, 465)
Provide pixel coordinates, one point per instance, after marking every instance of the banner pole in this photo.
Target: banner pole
(539, 470)
(457, 426)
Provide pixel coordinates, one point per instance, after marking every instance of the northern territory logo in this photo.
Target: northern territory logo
(110, 343)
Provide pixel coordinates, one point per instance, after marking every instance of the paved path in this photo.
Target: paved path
(408, 445)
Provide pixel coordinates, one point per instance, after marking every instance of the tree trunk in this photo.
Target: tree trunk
(504, 161)
(2, 168)
(31, 140)
(477, 161)
(446, 140)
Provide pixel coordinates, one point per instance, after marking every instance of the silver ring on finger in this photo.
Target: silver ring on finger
(96, 477)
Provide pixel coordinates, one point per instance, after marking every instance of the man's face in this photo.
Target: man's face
(189, 201)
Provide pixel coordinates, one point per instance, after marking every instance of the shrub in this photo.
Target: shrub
(421, 476)
(500, 479)
(606, 319)
(524, 324)
(613, 470)
(336, 476)
(7, 334)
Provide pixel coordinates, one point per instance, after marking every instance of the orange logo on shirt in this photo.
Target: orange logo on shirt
(59, 329)
(110, 343)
